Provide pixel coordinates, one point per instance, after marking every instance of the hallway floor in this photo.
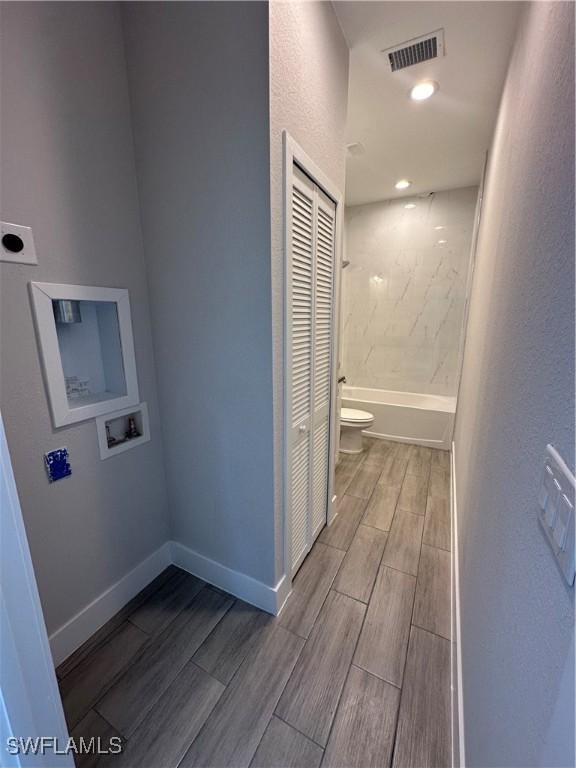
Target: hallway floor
(355, 672)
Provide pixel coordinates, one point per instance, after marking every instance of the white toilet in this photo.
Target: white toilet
(352, 422)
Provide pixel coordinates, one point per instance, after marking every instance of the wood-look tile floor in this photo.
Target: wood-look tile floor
(355, 672)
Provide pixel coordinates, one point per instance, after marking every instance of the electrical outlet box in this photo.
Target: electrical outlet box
(17, 244)
(556, 501)
(57, 464)
(122, 430)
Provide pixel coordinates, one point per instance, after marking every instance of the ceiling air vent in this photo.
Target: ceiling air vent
(415, 51)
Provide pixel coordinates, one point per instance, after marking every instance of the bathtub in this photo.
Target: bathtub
(405, 416)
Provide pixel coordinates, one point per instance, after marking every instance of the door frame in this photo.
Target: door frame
(294, 154)
(30, 703)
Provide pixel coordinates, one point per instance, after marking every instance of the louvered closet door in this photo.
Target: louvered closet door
(300, 305)
(311, 240)
(322, 356)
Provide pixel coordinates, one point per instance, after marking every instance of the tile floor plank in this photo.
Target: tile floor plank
(379, 452)
(419, 463)
(309, 589)
(358, 571)
(423, 735)
(380, 508)
(440, 460)
(233, 731)
(345, 471)
(393, 470)
(413, 494)
(169, 704)
(384, 638)
(162, 607)
(439, 483)
(404, 540)
(168, 730)
(129, 700)
(365, 724)
(404, 451)
(284, 747)
(88, 681)
(227, 645)
(119, 618)
(311, 696)
(432, 602)
(341, 532)
(364, 481)
(93, 726)
(437, 523)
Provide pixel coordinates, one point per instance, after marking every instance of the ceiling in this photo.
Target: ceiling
(439, 143)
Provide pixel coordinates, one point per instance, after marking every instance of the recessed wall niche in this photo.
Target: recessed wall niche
(87, 349)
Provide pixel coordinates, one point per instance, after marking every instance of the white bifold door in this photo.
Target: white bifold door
(311, 223)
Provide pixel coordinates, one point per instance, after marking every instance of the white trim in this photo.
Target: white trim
(470, 278)
(29, 691)
(80, 627)
(441, 445)
(294, 154)
(269, 599)
(105, 451)
(42, 295)
(458, 733)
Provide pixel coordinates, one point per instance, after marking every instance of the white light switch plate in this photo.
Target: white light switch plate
(556, 500)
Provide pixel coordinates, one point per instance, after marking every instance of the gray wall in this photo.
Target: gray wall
(308, 98)
(517, 394)
(199, 84)
(68, 171)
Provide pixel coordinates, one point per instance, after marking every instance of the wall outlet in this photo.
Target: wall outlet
(556, 501)
(17, 244)
(57, 464)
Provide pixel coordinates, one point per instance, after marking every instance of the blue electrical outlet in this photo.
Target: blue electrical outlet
(57, 465)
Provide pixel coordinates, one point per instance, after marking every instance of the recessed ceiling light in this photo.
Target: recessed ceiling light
(423, 90)
(442, 242)
(440, 226)
(410, 205)
(403, 184)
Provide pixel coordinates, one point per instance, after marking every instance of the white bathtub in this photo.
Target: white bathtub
(405, 416)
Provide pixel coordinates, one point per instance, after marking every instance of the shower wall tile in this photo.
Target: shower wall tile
(404, 293)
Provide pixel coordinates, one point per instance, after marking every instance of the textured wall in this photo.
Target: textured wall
(517, 394)
(404, 292)
(199, 86)
(67, 170)
(308, 98)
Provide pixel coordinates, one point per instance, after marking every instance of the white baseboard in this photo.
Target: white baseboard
(80, 627)
(458, 733)
(442, 445)
(269, 599)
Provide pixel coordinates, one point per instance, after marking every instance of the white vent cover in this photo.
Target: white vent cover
(415, 51)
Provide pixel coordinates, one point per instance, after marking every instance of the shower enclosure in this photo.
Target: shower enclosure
(404, 298)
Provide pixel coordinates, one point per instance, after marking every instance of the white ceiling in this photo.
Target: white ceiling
(439, 143)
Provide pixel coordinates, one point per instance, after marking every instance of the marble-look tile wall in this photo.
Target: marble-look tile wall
(404, 291)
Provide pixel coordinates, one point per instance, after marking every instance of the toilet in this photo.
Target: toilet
(352, 422)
